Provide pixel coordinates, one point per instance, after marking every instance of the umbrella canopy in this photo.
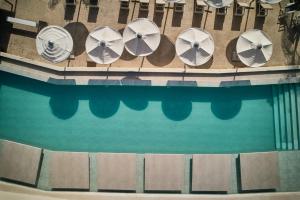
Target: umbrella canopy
(194, 46)
(54, 43)
(104, 45)
(270, 1)
(254, 48)
(219, 3)
(141, 37)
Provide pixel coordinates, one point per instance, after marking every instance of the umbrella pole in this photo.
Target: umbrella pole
(166, 18)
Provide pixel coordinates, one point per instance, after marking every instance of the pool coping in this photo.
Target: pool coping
(19, 191)
(135, 76)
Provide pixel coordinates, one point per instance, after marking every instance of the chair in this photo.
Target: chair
(144, 5)
(199, 6)
(290, 8)
(222, 11)
(240, 8)
(70, 3)
(263, 9)
(179, 6)
(160, 6)
(124, 4)
(92, 3)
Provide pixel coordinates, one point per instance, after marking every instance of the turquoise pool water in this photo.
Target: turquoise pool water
(136, 119)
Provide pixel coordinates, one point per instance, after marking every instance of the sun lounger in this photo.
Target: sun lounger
(160, 6)
(263, 9)
(199, 6)
(70, 3)
(116, 171)
(240, 8)
(22, 21)
(221, 11)
(179, 6)
(144, 5)
(124, 4)
(19, 162)
(92, 3)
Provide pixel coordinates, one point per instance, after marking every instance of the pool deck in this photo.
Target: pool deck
(14, 192)
(19, 40)
(157, 173)
(148, 76)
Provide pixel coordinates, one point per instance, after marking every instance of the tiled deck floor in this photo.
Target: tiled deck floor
(224, 31)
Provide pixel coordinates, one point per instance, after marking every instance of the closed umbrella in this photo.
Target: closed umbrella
(54, 43)
(254, 48)
(194, 46)
(141, 37)
(104, 45)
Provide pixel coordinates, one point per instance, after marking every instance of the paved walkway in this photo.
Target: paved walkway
(82, 20)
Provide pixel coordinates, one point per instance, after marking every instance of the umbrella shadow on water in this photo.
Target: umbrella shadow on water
(135, 100)
(226, 106)
(63, 103)
(176, 108)
(104, 105)
(79, 33)
(164, 54)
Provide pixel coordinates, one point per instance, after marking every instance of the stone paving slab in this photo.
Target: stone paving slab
(259, 171)
(69, 171)
(19, 162)
(116, 171)
(80, 21)
(211, 172)
(164, 172)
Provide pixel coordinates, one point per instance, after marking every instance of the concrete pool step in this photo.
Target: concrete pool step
(288, 120)
(294, 117)
(286, 105)
(297, 96)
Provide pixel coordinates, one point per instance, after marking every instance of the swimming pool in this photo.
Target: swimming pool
(136, 119)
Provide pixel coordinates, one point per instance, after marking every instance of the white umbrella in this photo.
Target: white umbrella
(194, 46)
(219, 3)
(254, 48)
(54, 43)
(270, 1)
(141, 37)
(104, 45)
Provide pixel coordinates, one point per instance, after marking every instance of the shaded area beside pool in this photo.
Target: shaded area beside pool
(136, 119)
